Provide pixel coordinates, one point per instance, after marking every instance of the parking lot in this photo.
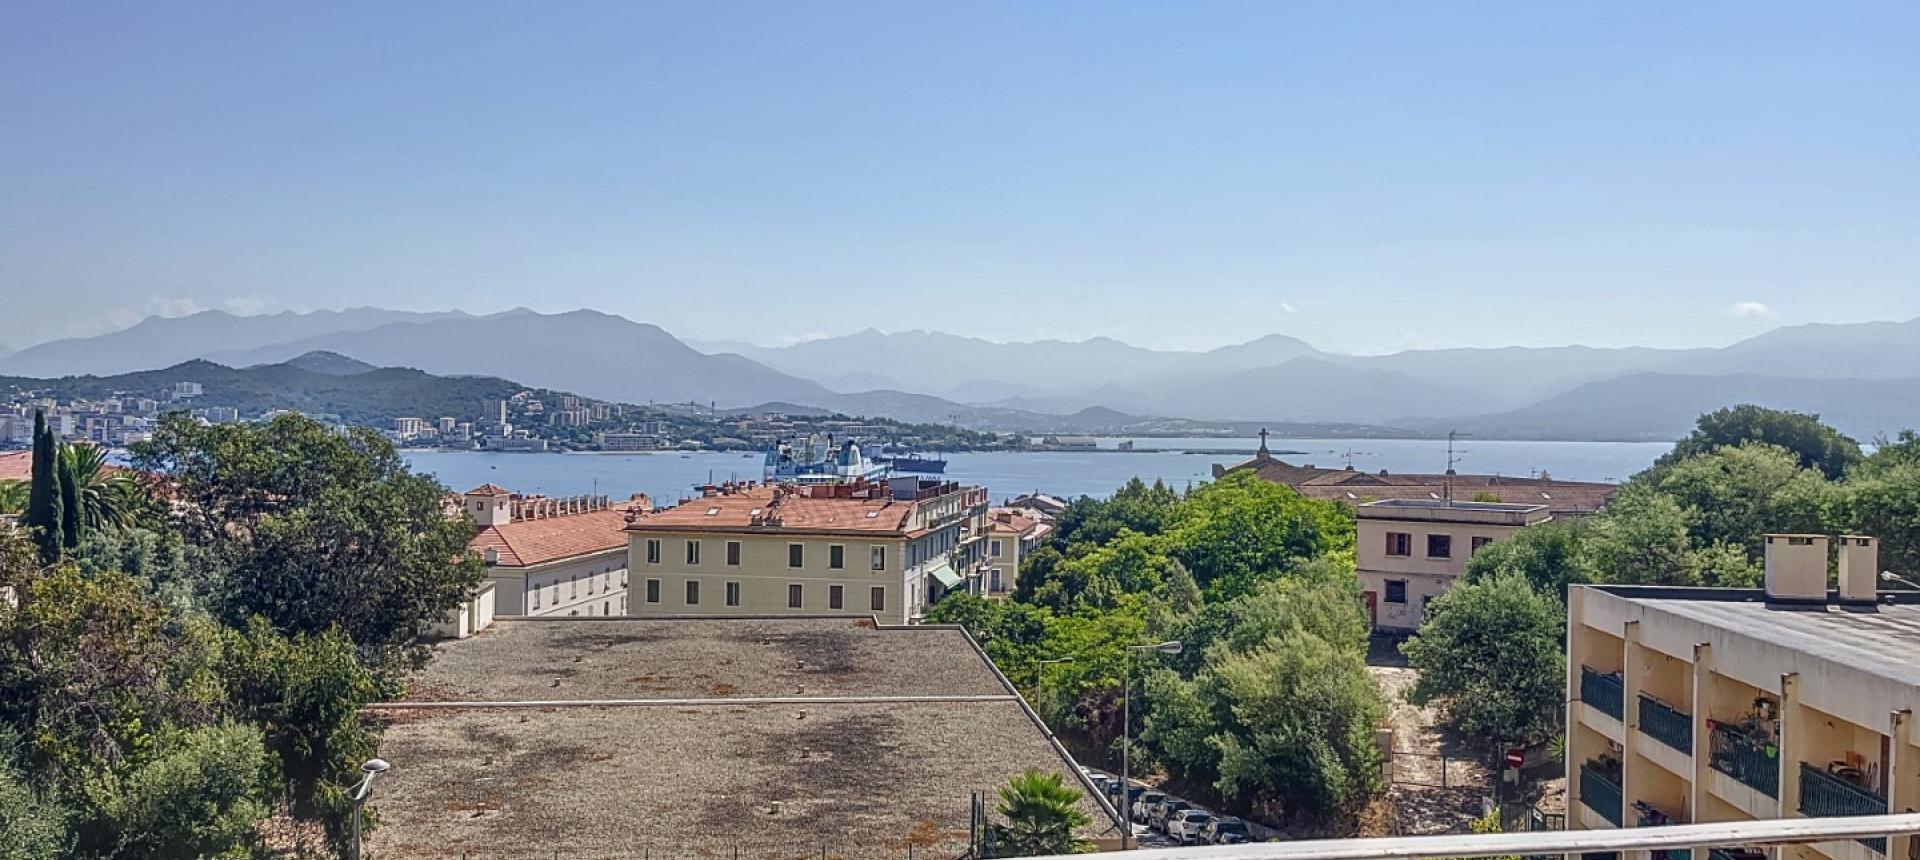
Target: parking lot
(1147, 836)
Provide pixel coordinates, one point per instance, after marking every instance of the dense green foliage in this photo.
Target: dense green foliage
(1491, 654)
(159, 698)
(312, 528)
(1042, 813)
(1269, 708)
(1813, 444)
(45, 506)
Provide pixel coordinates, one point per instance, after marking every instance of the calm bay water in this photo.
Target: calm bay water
(668, 477)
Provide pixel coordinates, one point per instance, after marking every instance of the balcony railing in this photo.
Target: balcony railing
(1750, 762)
(1604, 691)
(1600, 793)
(1666, 725)
(1823, 795)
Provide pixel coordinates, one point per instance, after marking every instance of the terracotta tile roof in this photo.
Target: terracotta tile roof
(489, 489)
(525, 543)
(1353, 486)
(16, 466)
(790, 512)
(1009, 521)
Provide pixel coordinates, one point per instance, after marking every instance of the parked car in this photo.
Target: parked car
(1143, 805)
(1226, 830)
(1133, 793)
(1163, 811)
(1187, 825)
(1101, 782)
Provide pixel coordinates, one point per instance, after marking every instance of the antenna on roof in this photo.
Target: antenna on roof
(1452, 461)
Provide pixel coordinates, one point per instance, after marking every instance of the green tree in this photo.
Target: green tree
(1549, 556)
(1815, 445)
(310, 528)
(101, 497)
(1882, 498)
(199, 795)
(1240, 529)
(44, 503)
(1489, 652)
(14, 495)
(1736, 494)
(1043, 816)
(32, 826)
(1299, 736)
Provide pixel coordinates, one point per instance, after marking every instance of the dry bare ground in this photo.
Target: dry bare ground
(1436, 784)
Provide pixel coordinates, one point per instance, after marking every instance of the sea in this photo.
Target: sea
(667, 477)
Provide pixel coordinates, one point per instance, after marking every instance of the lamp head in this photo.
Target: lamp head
(1170, 647)
(375, 765)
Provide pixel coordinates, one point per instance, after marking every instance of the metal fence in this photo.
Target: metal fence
(1435, 770)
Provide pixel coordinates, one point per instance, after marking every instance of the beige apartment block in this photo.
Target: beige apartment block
(1712, 705)
(1012, 533)
(881, 550)
(1411, 551)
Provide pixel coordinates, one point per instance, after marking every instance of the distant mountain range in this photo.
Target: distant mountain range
(1861, 376)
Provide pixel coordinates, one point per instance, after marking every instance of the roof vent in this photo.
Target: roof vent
(1796, 567)
(1859, 569)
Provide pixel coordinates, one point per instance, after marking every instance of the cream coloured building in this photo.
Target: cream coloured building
(886, 550)
(1711, 705)
(1411, 551)
(549, 556)
(1012, 533)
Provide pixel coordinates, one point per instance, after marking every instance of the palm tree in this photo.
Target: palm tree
(105, 498)
(13, 496)
(1043, 814)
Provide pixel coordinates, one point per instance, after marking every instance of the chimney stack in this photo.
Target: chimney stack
(1797, 568)
(1859, 569)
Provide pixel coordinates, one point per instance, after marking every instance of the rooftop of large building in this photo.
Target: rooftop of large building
(1878, 639)
(858, 508)
(1357, 487)
(1454, 511)
(621, 738)
(540, 530)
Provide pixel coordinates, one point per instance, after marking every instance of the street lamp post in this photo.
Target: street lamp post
(1126, 729)
(374, 767)
(1890, 576)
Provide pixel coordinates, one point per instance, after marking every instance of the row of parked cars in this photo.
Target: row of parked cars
(1181, 821)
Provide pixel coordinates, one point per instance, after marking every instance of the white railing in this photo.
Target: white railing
(1781, 831)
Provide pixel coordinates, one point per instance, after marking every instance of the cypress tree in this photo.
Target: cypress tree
(70, 520)
(45, 500)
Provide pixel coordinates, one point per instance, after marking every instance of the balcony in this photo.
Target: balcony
(1603, 691)
(1750, 762)
(1600, 791)
(1823, 794)
(1666, 725)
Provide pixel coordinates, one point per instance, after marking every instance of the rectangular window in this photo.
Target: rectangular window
(793, 596)
(693, 552)
(836, 597)
(733, 553)
(573, 587)
(796, 554)
(993, 548)
(879, 558)
(1399, 543)
(653, 591)
(1396, 591)
(1439, 546)
(733, 594)
(653, 551)
(693, 592)
(536, 596)
(994, 584)
(837, 557)
(1479, 542)
(878, 599)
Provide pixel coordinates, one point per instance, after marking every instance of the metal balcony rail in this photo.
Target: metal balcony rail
(1604, 691)
(1778, 831)
(1822, 795)
(1600, 793)
(1666, 725)
(1748, 761)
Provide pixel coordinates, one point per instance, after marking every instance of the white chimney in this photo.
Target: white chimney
(1859, 569)
(1797, 567)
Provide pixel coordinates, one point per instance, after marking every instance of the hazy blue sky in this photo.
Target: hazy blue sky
(1365, 176)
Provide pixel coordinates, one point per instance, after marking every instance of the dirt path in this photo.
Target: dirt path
(1435, 785)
